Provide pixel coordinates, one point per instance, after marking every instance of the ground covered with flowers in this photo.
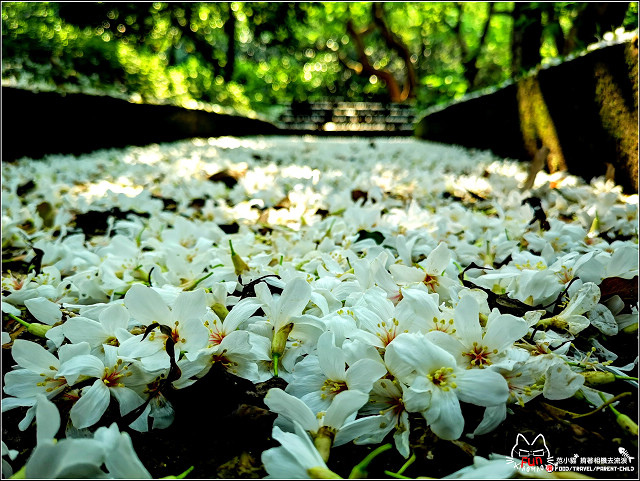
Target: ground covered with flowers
(305, 307)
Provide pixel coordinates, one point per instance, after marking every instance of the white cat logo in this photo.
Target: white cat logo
(532, 454)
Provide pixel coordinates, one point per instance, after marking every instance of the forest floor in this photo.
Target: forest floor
(325, 209)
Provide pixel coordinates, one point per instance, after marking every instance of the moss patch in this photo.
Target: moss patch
(536, 123)
(619, 121)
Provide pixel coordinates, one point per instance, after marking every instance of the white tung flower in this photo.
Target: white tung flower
(475, 346)
(296, 458)
(318, 379)
(322, 426)
(84, 457)
(571, 318)
(185, 319)
(111, 376)
(285, 322)
(432, 372)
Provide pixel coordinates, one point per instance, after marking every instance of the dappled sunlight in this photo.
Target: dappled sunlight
(97, 190)
(358, 302)
(331, 267)
(427, 53)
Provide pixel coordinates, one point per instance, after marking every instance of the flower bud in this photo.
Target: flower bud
(595, 378)
(220, 310)
(239, 265)
(279, 342)
(628, 424)
(323, 441)
(321, 472)
(33, 328)
(39, 330)
(554, 321)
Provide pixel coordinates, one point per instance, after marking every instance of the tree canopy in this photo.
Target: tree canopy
(258, 56)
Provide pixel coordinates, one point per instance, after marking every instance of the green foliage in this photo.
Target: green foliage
(281, 51)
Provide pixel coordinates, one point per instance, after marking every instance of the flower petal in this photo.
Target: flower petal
(113, 317)
(401, 435)
(367, 430)
(69, 351)
(33, 357)
(293, 300)
(561, 382)
(87, 365)
(344, 405)
(363, 373)
(91, 406)
(466, 319)
(292, 408)
(190, 305)
(493, 416)
(146, 306)
(47, 418)
(68, 458)
(414, 352)
(449, 424)
(331, 358)
(127, 399)
(44, 310)
(503, 331)
(481, 387)
(240, 313)
(121, 461)
(437, 260)
(82, 329)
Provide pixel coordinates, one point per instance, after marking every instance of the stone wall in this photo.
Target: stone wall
(40, 123)
(585, 110)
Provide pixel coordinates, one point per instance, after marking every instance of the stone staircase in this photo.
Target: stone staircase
(361, 118)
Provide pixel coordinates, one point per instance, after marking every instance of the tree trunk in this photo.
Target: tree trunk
(392, 86)
(593, 21)
(230, 31)
(526, 37)
(394, 42)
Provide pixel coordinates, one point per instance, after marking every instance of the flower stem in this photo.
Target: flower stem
(196, 282)
(606, 403)
(624, 421)
(181, 475)
(276, 358)
(409, 462)
(360, 469)
(398, 474)
(20, 474)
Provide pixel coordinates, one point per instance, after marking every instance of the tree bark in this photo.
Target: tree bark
(204, 48)
(526, 37)
(230, 31)
(469, 59)
(392, 85)
(396, 43)
(393, 42)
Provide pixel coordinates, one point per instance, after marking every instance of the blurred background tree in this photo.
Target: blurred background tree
(261, 56)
